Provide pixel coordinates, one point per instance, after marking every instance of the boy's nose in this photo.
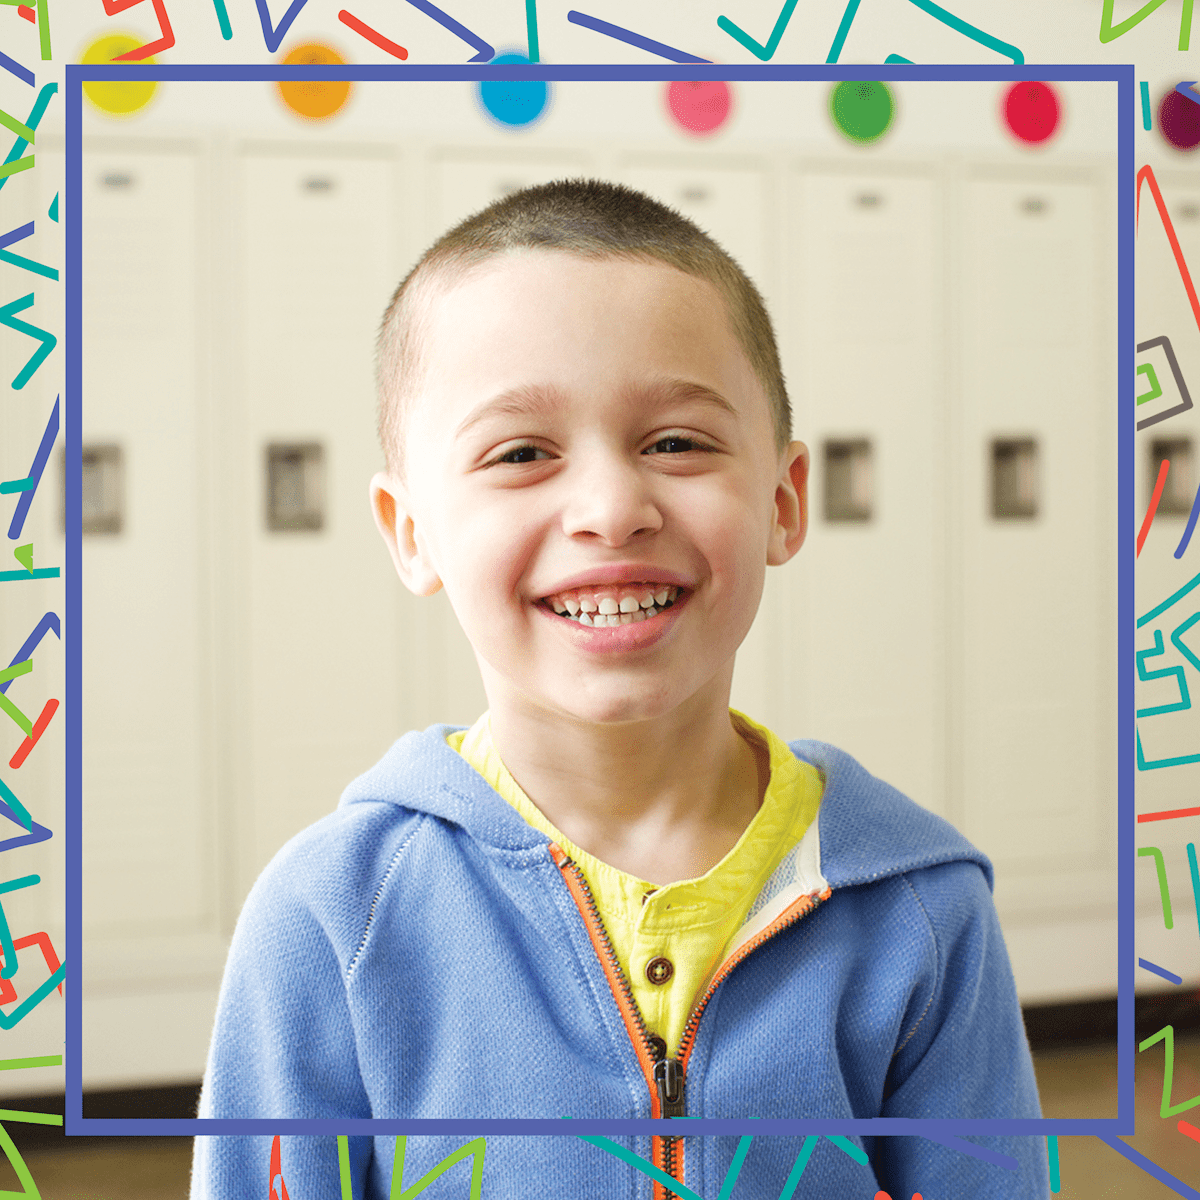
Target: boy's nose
(612, 501)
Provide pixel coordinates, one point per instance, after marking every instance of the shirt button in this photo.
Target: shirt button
(659, 970)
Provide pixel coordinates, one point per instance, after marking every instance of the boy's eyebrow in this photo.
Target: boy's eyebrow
(533, 399)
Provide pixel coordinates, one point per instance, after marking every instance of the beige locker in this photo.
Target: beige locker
(318, 684)
(1034, 459)
(147, 785)
(865, 619)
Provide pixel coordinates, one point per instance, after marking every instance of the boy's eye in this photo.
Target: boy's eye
(521, 454)
(674, 444)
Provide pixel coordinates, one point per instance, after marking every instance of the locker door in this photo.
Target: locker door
(729, 203)
(865, 646)
(319, 684)
(146, 785)
(1035, 661)
(462, 182)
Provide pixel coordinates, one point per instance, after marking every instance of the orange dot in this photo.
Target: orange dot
(316, 100)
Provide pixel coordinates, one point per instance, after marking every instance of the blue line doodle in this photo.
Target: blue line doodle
(35, 473)
(1146, 965)
(940, 14)
(223, 19)
(1195, 872)
(48, 340)
(48, 622)
(13, 67)
(6, 255)
(52, 212)
(631, 38)
(274, 36)
(22, 817)
(1189, 527)
(485, 51)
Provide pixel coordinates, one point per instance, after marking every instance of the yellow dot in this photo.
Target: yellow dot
(114, 98)
(314, 100)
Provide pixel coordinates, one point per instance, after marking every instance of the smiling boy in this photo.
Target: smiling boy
(613, 896)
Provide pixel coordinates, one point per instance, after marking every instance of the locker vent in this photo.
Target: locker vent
(295, 487)
(1179, 490)
(848, 480)
(1014, 478)
(319, 183)
(117, 179)
(102, 489)
(1189, 211)
(1034, 205)
(868, 200)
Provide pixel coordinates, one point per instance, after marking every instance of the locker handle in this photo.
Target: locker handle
(1189, 212)
(318, 183)
(695, 193)
(868, 200)
(1034, 205)
(117, 179)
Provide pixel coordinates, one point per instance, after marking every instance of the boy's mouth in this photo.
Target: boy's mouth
(623, 605)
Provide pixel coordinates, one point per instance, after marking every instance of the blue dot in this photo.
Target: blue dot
(512, 101)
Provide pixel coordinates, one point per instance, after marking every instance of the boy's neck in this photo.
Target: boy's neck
(662, 800)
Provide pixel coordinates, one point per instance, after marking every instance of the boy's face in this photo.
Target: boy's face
(586, 433)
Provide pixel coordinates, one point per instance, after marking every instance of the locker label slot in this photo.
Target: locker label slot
(1179, 490)
(295, 487)
(849, 484)
(1014, 478)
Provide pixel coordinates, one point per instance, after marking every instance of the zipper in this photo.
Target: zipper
(666, 1077)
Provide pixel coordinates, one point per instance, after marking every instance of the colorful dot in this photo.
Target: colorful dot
(1179, 121)
(513, 101)
(861, 109)
(314, 100)
(114, 98)
(1032, 111)
(700, 106)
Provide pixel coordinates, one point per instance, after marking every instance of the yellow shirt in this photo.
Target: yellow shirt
(691, 922)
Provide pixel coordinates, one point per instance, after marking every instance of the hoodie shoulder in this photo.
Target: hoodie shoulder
(870, 829)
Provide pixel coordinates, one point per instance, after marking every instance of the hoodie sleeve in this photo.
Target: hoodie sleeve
(284, 1045)
(964, 1054)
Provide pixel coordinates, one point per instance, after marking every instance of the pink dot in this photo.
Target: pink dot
(1032, 111)
(700, 107)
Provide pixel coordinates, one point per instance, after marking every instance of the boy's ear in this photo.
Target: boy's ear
(394, 520)
(791, 506)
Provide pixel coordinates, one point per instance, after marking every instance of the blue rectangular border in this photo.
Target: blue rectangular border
(1123, 76)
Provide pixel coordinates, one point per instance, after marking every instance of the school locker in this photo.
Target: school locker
(150, 868)
(864, 650)
(1033, 669)
(317, 682)
(1167, 330)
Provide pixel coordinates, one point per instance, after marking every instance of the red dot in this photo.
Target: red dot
(700, 107)
(1179, 121)
(1032, 111)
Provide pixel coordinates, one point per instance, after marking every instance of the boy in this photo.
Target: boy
(612, 897)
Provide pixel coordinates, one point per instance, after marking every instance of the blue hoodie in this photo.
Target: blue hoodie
(423, 952)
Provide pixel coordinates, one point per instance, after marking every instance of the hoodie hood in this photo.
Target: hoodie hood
(865, 829)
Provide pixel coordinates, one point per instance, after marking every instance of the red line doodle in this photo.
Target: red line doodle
(1159, 483)
(165, 42)
(277, 1173)
(372, 35)
(23, 10)
(1186, 1127)
(1169, 814)
(8, 993)
(1147, 175)
(39, 727)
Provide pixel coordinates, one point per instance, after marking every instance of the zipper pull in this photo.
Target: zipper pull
(668, 1076)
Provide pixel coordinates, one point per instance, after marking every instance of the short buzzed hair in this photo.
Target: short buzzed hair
(590, 218)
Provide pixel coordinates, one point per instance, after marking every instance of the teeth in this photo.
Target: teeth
(584, 619)
(650, 612)
(629, 604)
(626, 618)
(647, 601)
(587, 606)
(609, 605)
(572, 606)
(660, 598)
(559, 608)
(637, 616)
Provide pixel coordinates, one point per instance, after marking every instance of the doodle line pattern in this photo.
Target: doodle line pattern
(272, 38)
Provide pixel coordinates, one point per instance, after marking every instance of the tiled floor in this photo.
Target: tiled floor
(1073, 1083)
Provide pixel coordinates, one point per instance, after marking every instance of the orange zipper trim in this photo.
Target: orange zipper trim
(666, 1153)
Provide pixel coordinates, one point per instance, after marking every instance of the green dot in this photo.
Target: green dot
(862, 109)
